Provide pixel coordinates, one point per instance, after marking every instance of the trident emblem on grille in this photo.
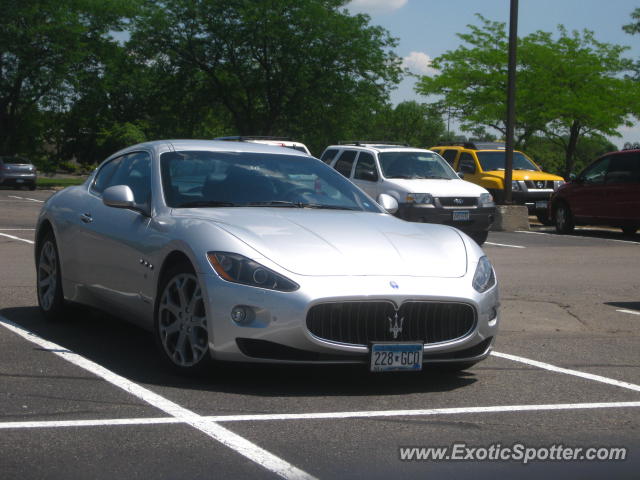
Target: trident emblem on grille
(394, 327)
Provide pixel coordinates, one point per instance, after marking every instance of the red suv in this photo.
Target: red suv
(607, 192)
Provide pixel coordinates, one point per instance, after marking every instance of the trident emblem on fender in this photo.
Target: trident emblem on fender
(394, 326)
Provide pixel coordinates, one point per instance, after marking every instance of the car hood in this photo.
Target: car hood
(438, 188)
(341, 242)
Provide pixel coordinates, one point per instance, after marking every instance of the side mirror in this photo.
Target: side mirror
(119, 196)
(387, 202)
(461, 175)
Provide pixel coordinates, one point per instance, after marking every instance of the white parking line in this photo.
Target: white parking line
(237, 443)
(632, 312)
(578, 236)
(16, 238)
(16, 229)
(576, 373)
(503, 245)
(26, 198)
(320, 415)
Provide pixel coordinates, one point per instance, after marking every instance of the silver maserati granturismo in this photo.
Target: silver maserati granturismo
(257, 253)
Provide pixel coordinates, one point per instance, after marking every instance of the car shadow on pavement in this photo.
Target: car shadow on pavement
(130, 352)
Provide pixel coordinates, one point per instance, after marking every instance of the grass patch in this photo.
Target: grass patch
(47, 182)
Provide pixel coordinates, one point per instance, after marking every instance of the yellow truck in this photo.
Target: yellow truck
(483, 164)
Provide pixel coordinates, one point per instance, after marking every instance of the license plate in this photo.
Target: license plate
(542, 205)
(390, 357)
(19, 180)
(460, 215)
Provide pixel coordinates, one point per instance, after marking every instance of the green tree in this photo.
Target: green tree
(44, 44)
(567, 87)
(276, 67)
(633, 28)
(415, 124)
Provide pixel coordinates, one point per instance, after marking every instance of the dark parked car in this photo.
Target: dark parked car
(607, 192)
(17, 171)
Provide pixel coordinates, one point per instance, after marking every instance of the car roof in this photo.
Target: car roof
(380, 148)
(161, 146)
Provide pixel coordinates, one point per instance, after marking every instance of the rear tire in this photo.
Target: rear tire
(181, 331)
(564, 219)
(48, 279)
(32, 187)
(480, 237)
(629, 230)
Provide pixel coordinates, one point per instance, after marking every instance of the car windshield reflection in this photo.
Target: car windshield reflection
(201, 179)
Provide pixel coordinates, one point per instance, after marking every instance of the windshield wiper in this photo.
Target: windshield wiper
(326, 207)
(208, 203)
(274, 203)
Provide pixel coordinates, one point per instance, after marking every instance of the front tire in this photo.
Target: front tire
(181, 321)
(543, 218)
(564, 219)
(49, 279)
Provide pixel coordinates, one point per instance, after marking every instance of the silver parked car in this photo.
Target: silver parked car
(254, 253)
(18, 172)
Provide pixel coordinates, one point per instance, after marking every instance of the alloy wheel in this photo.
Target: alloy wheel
(182, 321)
(47, 275)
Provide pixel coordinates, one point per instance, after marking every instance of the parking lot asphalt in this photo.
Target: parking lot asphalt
(87, 397)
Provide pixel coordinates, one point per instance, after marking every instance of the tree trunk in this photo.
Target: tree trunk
(570, 151)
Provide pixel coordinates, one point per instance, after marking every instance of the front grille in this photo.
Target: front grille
(359, 323)
(539, 184)
(458, 201)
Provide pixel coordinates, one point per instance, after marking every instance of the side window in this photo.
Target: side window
(624, 168)
(596, 173)
(366, 168)
(450, 156)
(329, 155)
(467, 164)
(104, 175)
(135, 172)
(345, 162)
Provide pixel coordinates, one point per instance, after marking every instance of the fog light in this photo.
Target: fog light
(239, 314)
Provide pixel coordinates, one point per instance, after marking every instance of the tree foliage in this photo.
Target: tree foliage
(302, 68)
(45, 47)
(568, 86)
(410, 122)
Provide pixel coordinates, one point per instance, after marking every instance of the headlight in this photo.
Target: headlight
(422, 198)
(515, 186)
(557, 184)
(238, 269)
(484, 277)
(486, 200)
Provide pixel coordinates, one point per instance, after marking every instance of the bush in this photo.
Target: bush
(68, 167)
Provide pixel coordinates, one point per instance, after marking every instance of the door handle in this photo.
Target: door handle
(86, 218)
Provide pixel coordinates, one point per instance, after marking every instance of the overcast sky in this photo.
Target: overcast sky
(427, 28)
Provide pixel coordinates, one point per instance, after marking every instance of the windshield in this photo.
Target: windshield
(415, 165)
(495, 161)
(238, 179)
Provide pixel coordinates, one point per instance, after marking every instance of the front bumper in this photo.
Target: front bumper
(480, 219)
(534, 200)
(277, 331)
